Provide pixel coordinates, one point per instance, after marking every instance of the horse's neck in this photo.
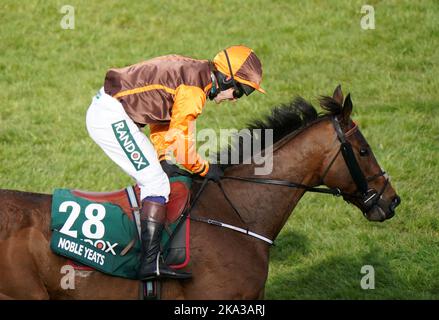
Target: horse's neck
(299, 160)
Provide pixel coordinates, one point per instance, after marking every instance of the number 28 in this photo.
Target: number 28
(92, 220)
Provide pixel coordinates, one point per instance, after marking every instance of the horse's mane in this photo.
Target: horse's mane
(284, 120)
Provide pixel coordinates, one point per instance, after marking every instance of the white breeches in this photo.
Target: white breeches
(120, 138)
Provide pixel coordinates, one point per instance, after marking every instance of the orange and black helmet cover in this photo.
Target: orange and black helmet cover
(245, 65)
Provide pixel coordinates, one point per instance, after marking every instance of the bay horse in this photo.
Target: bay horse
(310, 149)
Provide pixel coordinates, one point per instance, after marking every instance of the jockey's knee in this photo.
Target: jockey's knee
(154, 184)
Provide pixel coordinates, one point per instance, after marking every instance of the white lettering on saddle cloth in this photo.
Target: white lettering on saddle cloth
(92, 220)
(81, 250)
(105, 246)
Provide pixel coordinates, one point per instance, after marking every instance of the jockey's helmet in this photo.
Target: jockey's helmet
(243, 68)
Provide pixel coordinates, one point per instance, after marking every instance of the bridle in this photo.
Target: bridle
(366, 197)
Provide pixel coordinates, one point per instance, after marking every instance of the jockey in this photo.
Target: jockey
(166, 93)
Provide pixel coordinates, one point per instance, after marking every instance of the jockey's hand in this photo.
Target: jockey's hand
(172, 170)
(215, 172)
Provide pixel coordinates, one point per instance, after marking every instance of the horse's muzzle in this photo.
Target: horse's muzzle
(383, 210)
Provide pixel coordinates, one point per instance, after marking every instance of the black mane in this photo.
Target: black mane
(283, 120)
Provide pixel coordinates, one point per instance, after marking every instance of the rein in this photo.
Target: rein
(222, 224)
(368, 197)
(285, 183)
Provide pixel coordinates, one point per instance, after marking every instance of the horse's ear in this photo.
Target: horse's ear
(338, 95)
(347, 109)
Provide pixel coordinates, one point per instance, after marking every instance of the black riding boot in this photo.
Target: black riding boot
(152, 219)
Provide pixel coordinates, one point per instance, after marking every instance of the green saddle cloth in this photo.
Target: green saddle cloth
(103, 237)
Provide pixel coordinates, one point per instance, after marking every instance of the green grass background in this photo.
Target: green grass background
(48, 76)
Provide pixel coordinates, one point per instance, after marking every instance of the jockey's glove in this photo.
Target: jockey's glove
(215, 172)
(172, 170)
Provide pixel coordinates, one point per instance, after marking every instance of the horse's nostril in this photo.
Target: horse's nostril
(396, 201)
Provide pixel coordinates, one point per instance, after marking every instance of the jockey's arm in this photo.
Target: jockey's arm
(178, 138)
(157, 137)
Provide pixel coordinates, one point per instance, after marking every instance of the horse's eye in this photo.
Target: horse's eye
(364, 152)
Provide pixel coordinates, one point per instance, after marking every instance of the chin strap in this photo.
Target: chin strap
(214, 89)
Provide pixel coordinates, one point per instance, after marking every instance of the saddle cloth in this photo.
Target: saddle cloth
(97, 230)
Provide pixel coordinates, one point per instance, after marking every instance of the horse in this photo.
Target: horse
(309, 149)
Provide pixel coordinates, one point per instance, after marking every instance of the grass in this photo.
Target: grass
(48, 76)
